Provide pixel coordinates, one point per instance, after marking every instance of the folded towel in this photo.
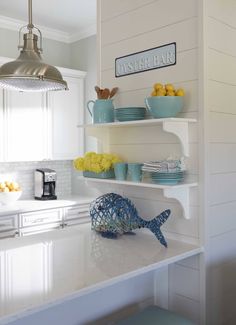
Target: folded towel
(171, 166)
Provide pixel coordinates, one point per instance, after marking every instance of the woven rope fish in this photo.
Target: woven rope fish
(114, 215)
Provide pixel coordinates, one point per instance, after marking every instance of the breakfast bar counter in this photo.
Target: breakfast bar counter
(48, 269)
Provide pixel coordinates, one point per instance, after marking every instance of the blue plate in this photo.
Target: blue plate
(166, 181)
(129, 119)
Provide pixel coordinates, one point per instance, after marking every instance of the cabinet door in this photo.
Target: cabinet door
(77, 214)
(41, 221)
(39, 218)
(8, 226)
(26, 127)
(67, 113)
(25, 276)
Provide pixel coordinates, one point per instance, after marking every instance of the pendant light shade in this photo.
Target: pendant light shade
(28, 72)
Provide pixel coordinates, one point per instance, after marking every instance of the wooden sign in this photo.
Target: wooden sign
(155, 58)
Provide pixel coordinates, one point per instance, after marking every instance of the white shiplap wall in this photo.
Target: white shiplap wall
(221, 248)
(131, 26)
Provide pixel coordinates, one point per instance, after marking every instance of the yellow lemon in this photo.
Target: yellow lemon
(158, 86)
(161, 92)
(180, 92)
(2, 185)
(154, 93)
(169, 87)
(15, 185)
(170, 93)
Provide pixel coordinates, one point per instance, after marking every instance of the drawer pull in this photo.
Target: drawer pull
(39, 220)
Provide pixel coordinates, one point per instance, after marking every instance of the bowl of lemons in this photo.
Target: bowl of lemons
(10, 192)
(165, 101)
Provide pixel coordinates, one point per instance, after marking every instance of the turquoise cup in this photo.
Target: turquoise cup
(135, 172)
(120, 170)
(101, 110)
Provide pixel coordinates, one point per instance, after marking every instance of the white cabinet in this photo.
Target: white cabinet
(25, 276)
(39, 221)
(25, 126)
(67, 111)
(76, 215)
(38, 126)
(28, 223)
(8, 226)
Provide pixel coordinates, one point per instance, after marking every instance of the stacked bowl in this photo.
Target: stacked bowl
(130, 113)
(167, 178)
(166, 172)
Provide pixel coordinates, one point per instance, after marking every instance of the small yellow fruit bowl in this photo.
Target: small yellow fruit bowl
(8, 198)
(165, 101)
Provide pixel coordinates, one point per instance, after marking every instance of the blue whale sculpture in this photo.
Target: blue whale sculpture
(114, 215)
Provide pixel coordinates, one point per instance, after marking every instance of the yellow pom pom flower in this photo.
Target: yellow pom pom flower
(79, 163)
(90, 154)
(96, 163)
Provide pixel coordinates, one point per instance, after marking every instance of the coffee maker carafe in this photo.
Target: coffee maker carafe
(45, 184)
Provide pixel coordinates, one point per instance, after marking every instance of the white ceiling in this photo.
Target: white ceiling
(70, 17)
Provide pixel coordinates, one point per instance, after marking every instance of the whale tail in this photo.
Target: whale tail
(155, 224)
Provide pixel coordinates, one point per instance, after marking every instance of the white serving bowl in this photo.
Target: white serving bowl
(7, 198)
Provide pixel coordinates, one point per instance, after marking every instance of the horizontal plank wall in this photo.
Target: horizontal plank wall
(221, 252)
(131, 26)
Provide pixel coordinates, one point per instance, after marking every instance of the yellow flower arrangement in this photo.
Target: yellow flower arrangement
(97, 163)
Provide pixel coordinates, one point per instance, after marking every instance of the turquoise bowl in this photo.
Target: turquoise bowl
(164, 106)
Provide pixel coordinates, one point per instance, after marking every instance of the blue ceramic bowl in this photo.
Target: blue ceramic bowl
(164, 106)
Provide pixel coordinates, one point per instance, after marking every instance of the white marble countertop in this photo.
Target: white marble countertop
(21, 206)
(51, 268)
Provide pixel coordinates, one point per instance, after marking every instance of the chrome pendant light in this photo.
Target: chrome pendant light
(28, 72)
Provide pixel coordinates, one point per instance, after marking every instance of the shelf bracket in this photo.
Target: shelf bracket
(102, 136)
(181, 195)
(180, 129)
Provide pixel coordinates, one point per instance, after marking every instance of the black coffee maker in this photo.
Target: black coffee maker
(45, 184)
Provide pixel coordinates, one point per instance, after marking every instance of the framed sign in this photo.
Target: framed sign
(154, 58)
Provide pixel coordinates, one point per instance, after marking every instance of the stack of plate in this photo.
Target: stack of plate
(130, 113)
(167, 178)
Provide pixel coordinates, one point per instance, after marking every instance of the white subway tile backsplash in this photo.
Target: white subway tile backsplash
(23, 173)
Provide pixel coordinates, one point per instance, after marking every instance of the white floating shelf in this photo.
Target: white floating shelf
(148, 122)
(179, 192)
(177, 126)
